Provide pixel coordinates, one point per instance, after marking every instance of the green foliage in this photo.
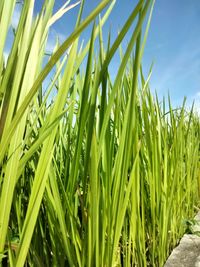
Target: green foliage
(104, 174)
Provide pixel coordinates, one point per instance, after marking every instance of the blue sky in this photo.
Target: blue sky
(173, 43)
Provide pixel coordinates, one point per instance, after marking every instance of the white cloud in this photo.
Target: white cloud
(197, 102)
(50, 45)
(5, 55)
(198, 94)
(182, 66)
(196, 99)
(52, 38)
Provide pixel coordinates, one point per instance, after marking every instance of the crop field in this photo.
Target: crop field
(94, 170)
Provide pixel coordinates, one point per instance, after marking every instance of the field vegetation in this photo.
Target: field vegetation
(94, 170)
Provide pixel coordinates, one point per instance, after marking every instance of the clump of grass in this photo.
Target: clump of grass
(104, 174)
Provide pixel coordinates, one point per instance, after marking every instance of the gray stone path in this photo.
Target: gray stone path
(187, 253)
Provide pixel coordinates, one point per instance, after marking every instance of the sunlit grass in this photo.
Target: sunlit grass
(103, 174)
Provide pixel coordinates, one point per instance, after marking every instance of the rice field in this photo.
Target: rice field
(94, 171)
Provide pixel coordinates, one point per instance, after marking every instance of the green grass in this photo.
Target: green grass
(104, 174)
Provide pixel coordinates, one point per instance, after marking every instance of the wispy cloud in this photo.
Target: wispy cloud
(5, 55)
(54, 34)
(197, 102)
(178, 73)
(52, 39)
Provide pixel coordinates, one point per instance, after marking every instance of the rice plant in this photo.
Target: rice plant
(94, 171)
